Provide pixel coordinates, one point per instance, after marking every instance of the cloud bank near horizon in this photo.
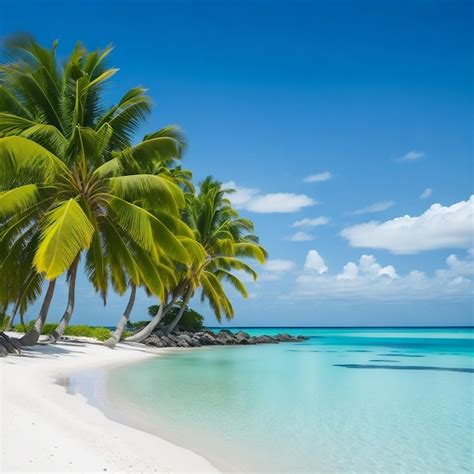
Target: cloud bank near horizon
(437, 228)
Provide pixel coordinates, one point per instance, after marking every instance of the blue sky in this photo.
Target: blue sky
(377, 95)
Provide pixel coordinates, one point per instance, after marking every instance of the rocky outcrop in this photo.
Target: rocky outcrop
(225, 337)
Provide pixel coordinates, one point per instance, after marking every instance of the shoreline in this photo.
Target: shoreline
(45, 428)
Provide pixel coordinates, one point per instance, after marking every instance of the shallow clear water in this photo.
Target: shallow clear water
(363, 400)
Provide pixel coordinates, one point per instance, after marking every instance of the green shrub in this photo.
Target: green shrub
(48, 328)
(99, 333)
(24, 328)
(191, 320)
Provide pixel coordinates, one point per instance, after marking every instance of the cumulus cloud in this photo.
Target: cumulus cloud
(367, 279)
(375, 207)
(301, 237)
(252, 200)
(412, 155)
(318, 178)
(278, 265)
(426, 193)
(279, 202)
(437, 228)
(315, 263)
(311, 222)
(274, 269)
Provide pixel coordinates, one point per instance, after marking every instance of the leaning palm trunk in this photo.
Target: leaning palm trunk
(116, 336)
(150, 327)
(170, 328)
(10, 323)
(63, 323)
(3, 313)
(12, 319)
(32, 336)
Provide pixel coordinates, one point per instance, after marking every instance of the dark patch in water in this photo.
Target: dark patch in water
(383, 360)
(406, 367)
(357, 350)
(402, 355)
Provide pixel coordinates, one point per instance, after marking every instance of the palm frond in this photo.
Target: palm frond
(67, 231)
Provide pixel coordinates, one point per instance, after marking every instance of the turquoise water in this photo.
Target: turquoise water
(347, 400)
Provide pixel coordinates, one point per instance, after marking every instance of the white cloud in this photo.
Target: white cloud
(274, 269)
(368, 267)
(367, 279)
(241, 196)
(350, 271)
(279, 202)
(426, 193)
(314, 222)
(301, 237)
(412, 155)
(318, 178)
(376, 207)
(315, 263)
(252, 200)
(438, 227)
(278, 265)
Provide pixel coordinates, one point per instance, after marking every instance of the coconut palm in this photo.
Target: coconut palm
(224, 237)
(64, 156)
(130, 261)
(67, 207)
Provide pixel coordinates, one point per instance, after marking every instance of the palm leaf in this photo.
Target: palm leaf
(67, 231)
(18, 199)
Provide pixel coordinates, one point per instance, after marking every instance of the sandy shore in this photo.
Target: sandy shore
(45, 429)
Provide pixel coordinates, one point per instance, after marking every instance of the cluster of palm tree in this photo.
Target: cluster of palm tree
(76, 193)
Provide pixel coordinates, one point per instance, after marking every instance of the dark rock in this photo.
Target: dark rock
(226, 337)
(154, 341)
(240, 339)
(264, 340)
(3, 351)
(184, 337)
(207, 340)
(195, 342)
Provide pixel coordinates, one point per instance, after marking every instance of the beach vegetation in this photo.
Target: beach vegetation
(79, 194)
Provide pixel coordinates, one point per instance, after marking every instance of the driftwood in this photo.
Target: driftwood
(11, 345)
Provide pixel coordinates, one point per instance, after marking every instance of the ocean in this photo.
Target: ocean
(346, 400)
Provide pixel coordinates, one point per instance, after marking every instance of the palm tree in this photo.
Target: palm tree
(175, 287)
(130, 261)
(224, 239)
(66, 166)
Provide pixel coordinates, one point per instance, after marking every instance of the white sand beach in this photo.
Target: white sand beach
(45, 429)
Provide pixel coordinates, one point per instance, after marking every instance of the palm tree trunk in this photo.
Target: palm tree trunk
(170, 328)
(32, 336)
(150, 327)
(116, 336)
(12, 319)
(3, 313)
(64, 321)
